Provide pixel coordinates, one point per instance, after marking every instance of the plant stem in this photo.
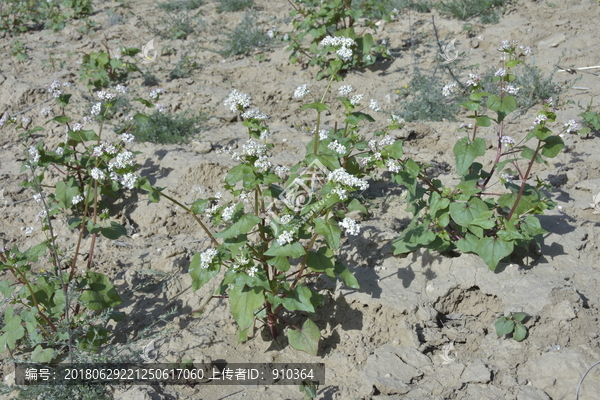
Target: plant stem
(524, 181)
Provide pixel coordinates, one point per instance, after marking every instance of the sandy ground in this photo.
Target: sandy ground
(386, 340)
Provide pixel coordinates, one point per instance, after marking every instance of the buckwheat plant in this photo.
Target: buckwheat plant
(58, 303)
(489, 212)
(283, 227)
(329, 25)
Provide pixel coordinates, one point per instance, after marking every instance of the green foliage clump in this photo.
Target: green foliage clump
(245, 37)
(423, 100)
(234, 5)
(165, 128)
(489, 11)
(180, 5)
(101, 69)
(21, 16)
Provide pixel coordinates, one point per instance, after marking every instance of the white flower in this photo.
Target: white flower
(572, 126)
(122, 160)
(393, 166)
(337, 147)
(155, 93)
(508, 141)
(374, 105)
(252, 271)
(344, 53)
(29, 230)
(37, 197)
(4, 119)
(106, 96)
(343, 44)
(286, 219)
(237, 101)
(526, 49)
(343, 194)
(395, 120)
(540, 118)
(97, 174)
(121, 89)
(206, 258)
(285, 238)
(77, 199)
(340, 175)
(254, 149)
(345, 90)
(46, 111)
(449, 89)
(500, 72)
(60, 150)
(96, 108)
(129, 180)
(473, 80)
(512, 90)
(386, 141)
(127, 137)
(34, 154)
(355, 100)
(262, 163)
(77, 127)
(270, 34)
(281, 171)
(255, 114)
(227, 214)
(25, 120)
(301, 91)
(323, 134)
(352, 228)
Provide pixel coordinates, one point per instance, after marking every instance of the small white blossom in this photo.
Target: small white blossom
(355, 100)
(46, 111)
(77, 199)
(539, 119)
(34, 154)
(387, 140)
(281, 171)
(227, 214)
(37, 197)
(121, 89)
(572, 126)
(155, 93)
(374, 105)
(127, 137)
(60, 150)
(393, 166)
(449, 89)
(206, 258)
(344, 53)
(285, 238)
(270, 34)
(342, 193)
(350, 225)
(255, 114)
(301, 91)
(237, 101)
(29, 230)
(337, 147)
(252, 271)
(129, 180)
(105, 96)
(508, 141)
(395, 120)
(526, 49)
(96, 108)
(512, 90)
(160, 108)
(473, 80)
(345, 90)
(25, 120)
(500, 72)
(286, 219)
(97, 174)
(122, 160)
(340, 175)
(77, 127)
(262, 163)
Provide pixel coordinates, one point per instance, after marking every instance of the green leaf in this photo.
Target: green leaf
(520, 332)
(241, 226)
(200, 276)
(293, 250)
(553, 145)
(484, 220)
(41, 355)
(282, 263)
(471, 105)
(468, 244)
(483, 121)
(395, 150)
(321, 261)
(519, 316)
(436, 202)
(83, 135)
(478, 95)
(238, 173)
(301, 300)
(355, 205)
(101, 293)
(13, 329)
(35, 252)
(466, 151)
(141, 118)
(357, 116)
(242, 303)
(320, 107)
(65, 191)
(504, 326)
(492, 250)
(114, 232)
(413, 238)
(305, 339)
(330, 230)
(347, 277)
(464, 212)
(504, 105)
(62, 119)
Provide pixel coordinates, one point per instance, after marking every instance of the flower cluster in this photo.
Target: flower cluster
(337, 147)
(106, 96)
(473, 80)
(54, 90)
(285, 238)
(374, 105)
(345, 90)
(34, 154)
(340, 175)
(237, 101)
(255, 114)
(395, 120)
(96, 108)
(206, 258)
(512, 90)
(122, 160)
(350, 225)
(508, 141)
(301, 91)
(572, 126)
(344, 52)
(155, 93)
(355, 100)
(449, 89)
